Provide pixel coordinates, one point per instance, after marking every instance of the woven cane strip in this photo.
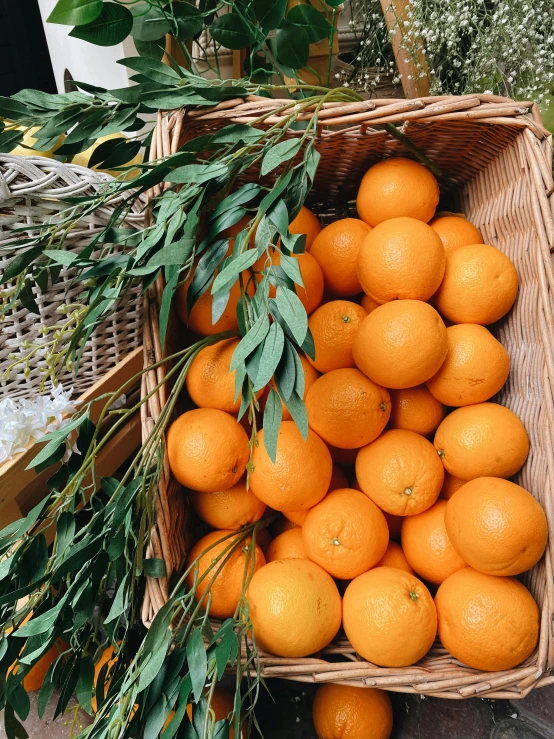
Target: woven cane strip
(496, 161)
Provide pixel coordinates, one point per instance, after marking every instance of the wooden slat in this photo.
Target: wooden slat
(9, 514)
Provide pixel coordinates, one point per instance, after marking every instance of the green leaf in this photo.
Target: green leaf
(48, 687)
(156, 718)
(114, 153)
(155, 646)
(197, 173)
(312, 162)
(189, 20)
(273, 415)
(297, 410)
(14, 729)
(167, 299)
(112, 26)
(235, 133)
(59, 256)
(65, 531)
(120, 601)
(85, 682)
(285, 374)
(9, 140)
(299, 379)
(56, 439)
(292, 46)
(269, 13)
(292, 269)
(154, 567)
(279, 216)
(293, 312)
(271, 355)
(151, 49)
(231, 271)
(253, 338)
(75, 12)
(14, 110)
(148, 23)
(232, 32)
(151, 68)
(197, 662)
(39, 624)
(19, 699)
(311, 20)
(281, 152)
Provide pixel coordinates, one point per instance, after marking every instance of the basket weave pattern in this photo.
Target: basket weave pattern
(496, 160)
(32, 193)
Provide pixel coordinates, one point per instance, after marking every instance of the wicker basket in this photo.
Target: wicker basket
(32, 192)
(496, 160)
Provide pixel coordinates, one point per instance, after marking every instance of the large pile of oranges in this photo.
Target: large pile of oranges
(404, 444)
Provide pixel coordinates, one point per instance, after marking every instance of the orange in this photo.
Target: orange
(450, 485)
(345, 457)
(333, 326)
(401, 344)
(395, 188)
(369, 304)
(301, 474)
(311, 294)
(476, 367)
(496, 526)
(200, 319)
(210, 381)
(287, 545)
(336, 250)
(207, 450)
(427, 546)
(107, 657)
(347, 409)
(489, 623)
(34, 679)
(479, 286)
(483, 440)
(401, 259)
(227, 571)
(389, 617)
(455, 231)
(310, 376)
(222, 704)
(228, 509)
(338, 480)
(345, 712)
(395, 557)
(415, 409)
(305, 223)
(346, 534)
(401, 472)
(393, 522)
(295, 607)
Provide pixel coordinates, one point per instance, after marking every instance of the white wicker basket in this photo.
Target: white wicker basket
(32, 192)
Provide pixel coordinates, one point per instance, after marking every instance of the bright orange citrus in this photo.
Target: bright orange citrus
(200, 319)
(287, 545)
(415, 409)
(210, 381)
(450, 485)
(488, 623)
(455, 231)
(336, 250)
(369, 304)
(496, 526)
(305, 223)
(228, 509)
(333, 326)
(347, 409)
(397, 187)
(401, 344)
(395, 557)
(401, 472)
(207, 450)
(224, 573)
(301, 474)
(295, 607)
(338, 480)
(389, 617)
(345, 712)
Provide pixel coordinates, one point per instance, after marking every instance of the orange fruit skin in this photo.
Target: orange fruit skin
(301, 474)
(476, 367)
(401, 472)
(450, 485)
(336, 251)
(307, 223)
(427, 546)
(346, 534)
(369, 304)
(479, 286)
(496, 526)
(107, 657)
(488, 623)
(389, 617)
(333, 326)
(34, 679)
(226, 589)
(401, 344)
(200, 319)
(310, 376)
(482, 440)
(395, 557)
(207, 450)
(210, 381)
(311, 294)
(415, 409)
(287, 545)
(401, 259)
(338, 480)
(394, 188)
(295, 607)
(345, 712)
(347, 409)
(228, 509)
(455, 231)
